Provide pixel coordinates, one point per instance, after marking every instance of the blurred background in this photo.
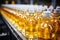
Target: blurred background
(37, 2)
(16, 12)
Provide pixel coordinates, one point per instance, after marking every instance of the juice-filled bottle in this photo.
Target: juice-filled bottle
(6, 2)
(50, 25)
(55, 24)
(13, 2)
(44, 29)
(29, 35)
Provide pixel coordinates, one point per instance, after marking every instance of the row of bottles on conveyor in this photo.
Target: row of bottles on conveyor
(35, 25)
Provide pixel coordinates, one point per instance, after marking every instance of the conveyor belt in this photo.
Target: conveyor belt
(5, 31)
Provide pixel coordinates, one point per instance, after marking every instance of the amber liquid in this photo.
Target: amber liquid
(33, 25)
